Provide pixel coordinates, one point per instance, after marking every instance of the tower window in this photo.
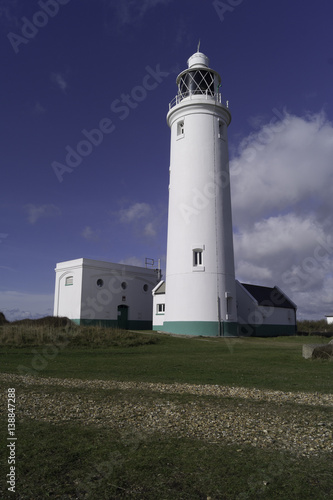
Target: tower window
(180, 128)
(197, 257)
(69, 280)
(221, 129)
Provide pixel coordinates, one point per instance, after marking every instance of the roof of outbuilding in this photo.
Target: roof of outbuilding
(267, 296)
(159, 288)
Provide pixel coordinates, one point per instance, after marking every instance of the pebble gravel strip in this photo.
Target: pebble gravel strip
(288, 428)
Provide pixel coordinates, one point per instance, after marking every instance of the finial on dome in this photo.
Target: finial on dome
(198, 49)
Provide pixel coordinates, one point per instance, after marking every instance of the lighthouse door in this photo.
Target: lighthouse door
(122, 317)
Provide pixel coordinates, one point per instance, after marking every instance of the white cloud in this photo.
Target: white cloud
(90, 234)
(36, 212)
(282, 201)
(150, 229)
(283, 166)
(144, 221)
(131, 11)
(248, 272)
(280, 236)
(59, 80)
(134, 212)
(132, 261)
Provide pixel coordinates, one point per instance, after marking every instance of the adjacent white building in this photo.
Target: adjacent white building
(94, 292)
(329, 319)
(264, 311)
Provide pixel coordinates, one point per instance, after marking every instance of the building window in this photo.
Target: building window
(180, 128)
(124, 285)
(69, 280)
(160, 308)
(99, 283)
(145, 288)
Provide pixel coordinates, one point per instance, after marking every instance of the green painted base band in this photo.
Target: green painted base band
(230, 329)
(196, 328)
(113, 323)
(204, 328)
(247, 330)
(227, 329)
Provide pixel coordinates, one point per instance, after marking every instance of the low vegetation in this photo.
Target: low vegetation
(320, 327)
(53, 330)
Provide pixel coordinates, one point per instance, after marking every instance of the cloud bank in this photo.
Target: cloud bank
(282, 200)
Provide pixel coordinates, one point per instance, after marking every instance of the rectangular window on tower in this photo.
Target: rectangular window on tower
(197, 259)
(221, 126)
(180, 129)
(69, 281)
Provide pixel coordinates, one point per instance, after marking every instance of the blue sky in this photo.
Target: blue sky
(71, 67)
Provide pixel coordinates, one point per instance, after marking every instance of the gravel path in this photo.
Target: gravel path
(233, 415)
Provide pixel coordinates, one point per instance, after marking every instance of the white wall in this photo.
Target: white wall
(67, 298)
(123, 285)
(100, 287)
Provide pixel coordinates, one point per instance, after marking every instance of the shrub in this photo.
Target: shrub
(3, 320)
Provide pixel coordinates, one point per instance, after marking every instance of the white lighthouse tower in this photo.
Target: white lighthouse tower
(200, 288)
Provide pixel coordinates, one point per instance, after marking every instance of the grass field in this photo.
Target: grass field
(250, 362)
(78, 460)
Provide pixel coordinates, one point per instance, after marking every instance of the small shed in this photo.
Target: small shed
(264, 311)
(329, 318)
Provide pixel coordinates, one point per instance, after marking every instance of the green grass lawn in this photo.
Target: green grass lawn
(75, 461)
(272, 363)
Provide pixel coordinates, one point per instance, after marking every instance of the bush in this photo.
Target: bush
(48, 321)
(3, 320)
(53, 330)
(320, 327)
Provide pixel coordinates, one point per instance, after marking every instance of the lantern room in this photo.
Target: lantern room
(198, 79)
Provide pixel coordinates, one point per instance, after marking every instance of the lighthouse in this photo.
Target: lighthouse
(199, 289)
(200, 295)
